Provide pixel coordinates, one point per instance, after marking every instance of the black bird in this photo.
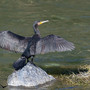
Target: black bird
(30, 46)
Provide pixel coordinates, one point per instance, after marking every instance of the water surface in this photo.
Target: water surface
(68, 19)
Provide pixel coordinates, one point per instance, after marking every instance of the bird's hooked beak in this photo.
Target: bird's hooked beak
(41, 22)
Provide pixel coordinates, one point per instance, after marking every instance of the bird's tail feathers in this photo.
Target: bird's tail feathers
(20, 63)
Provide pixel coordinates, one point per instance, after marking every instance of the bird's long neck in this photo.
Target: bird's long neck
(36, 30)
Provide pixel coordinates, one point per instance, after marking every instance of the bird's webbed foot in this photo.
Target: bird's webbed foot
(32, 63)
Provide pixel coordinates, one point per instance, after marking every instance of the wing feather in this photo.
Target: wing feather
(52, 43)
(13, 42)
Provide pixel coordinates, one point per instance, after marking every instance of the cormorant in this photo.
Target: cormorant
(30, 46)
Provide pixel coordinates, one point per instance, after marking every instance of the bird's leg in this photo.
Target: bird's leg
(27, 60)
(32, 58)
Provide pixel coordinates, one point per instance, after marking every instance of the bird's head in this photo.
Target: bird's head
(37, 23)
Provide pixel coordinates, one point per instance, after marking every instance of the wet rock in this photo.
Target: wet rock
(29, 76)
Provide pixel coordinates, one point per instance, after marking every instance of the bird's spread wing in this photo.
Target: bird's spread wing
(52, 43)
(13, 42)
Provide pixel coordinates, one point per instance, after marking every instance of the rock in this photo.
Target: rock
(29, 76)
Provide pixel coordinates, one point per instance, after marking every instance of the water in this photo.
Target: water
(68, 19)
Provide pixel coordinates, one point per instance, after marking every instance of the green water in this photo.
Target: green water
(69, 19)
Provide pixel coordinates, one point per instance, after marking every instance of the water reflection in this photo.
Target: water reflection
(40, 87)
(49, 87)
